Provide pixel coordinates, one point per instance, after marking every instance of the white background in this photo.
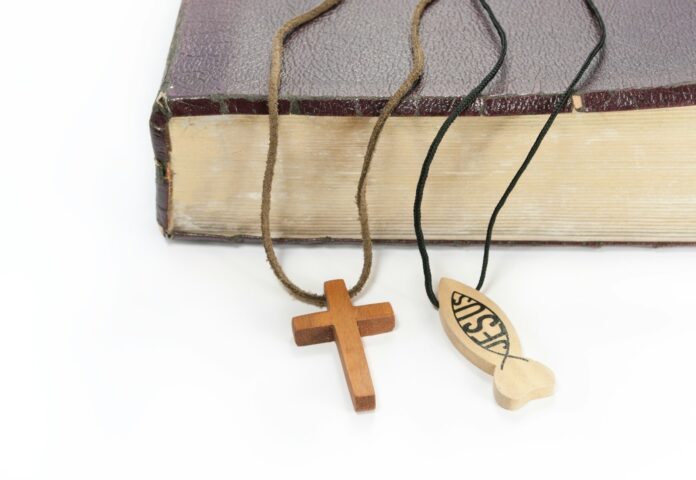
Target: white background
(125, 356)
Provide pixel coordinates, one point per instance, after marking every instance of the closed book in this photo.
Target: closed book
(618, 166)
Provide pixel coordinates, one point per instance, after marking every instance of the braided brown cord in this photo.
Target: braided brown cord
(418, 60)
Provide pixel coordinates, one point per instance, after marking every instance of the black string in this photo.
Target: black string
(462, 106)
(560, 104)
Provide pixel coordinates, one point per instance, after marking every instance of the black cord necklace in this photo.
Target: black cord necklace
(474, 323)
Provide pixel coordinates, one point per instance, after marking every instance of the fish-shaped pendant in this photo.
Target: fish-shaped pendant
(483, 333)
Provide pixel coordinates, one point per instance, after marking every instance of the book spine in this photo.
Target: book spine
(161, 145)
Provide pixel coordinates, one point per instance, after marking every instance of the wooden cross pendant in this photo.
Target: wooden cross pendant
(346, 324)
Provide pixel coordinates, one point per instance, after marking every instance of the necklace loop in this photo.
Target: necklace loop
(418, 61)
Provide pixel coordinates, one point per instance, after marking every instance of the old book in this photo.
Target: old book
(619, 166)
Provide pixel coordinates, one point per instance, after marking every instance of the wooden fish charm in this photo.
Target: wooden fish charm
(483, 333)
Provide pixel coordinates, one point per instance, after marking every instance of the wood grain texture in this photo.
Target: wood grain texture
(613, 177)
(482, 332)
(345, 324)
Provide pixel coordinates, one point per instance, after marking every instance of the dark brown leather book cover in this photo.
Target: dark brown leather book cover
(350, 60)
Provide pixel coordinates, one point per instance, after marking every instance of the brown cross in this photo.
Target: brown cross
(345, 324)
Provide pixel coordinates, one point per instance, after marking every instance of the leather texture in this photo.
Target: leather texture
(360, 51)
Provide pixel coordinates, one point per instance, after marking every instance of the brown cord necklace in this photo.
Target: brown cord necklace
(341, 322)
